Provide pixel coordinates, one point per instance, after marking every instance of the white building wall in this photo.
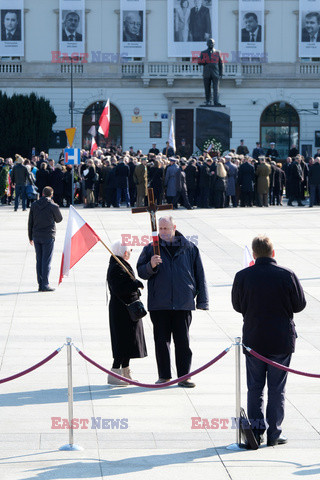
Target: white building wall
(102, 34)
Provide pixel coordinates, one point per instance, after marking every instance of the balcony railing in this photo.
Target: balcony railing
(148, 71)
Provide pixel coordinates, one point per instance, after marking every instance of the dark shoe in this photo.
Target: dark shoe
(47, 289)
(290, 204)
(187, 384)
(277, 441)
(300, 204)
(162, 380)
(219, 105)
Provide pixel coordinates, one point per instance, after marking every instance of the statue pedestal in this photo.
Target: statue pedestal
(213, 122)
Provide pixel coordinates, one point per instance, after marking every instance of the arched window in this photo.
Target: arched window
(90, 125)
(280, 123)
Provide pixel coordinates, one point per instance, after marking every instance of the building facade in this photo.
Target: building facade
(272, 97)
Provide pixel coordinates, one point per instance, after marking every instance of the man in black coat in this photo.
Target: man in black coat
(176, 286)
(246, 178)
(43, 216)
(267, 295)
(294, 181)
(205, 181)
(192, 176)
(272, 152)
(258, 151)
(19, 175)
(122, 175)
(314, 181)
(181, 187)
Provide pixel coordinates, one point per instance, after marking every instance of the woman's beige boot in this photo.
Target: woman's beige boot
(126, 372)
(116, 381)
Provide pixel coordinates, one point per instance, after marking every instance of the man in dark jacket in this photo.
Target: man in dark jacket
(181, 187)
(246, 178)
(43, 216)
(314, 181)
(19, 177)
(267, 296)
(122, 173)
(175, 280)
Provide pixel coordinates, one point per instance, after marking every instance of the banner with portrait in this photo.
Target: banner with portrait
(190, 24)
(251, 28)
(72, 26)
(12, 28)
(133, 28)
(309, 28)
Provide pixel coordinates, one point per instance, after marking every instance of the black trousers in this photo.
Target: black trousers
(258, 373)
(175, 323)
(44, 252)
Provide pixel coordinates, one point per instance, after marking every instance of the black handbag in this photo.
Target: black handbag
(136, 310)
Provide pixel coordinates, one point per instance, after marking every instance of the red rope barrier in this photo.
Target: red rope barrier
(17, 375)
(278, 365)
(152, 385)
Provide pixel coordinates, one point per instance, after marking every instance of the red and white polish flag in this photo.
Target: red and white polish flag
(248, 259)
(94, 146)
(104, 121)
(80, 238)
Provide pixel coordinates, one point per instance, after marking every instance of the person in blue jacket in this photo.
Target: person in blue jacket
(176, 286)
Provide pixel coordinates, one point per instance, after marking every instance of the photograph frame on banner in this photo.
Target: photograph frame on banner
(133, 28)
(72, 24)
(187, 30)
(12, 28)
(309, 28)
(251, 29)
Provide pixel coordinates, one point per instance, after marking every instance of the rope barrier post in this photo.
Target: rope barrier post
(70, 446)
(237, 345)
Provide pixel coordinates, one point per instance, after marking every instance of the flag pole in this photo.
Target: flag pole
(117, 259)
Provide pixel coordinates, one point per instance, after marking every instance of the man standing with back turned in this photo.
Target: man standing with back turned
(43, 216)
(267, 295)
(176, 285)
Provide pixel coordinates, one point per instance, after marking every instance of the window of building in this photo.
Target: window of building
(90, 125)
(280, 123)
(155, 129)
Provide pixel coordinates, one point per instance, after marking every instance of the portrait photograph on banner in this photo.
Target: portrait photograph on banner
(251, 28)
(190, 24)
(12, 28)
(132, 28)
(309, 28)
(72, 26)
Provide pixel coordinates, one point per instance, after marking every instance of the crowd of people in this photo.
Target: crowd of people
(111, 177)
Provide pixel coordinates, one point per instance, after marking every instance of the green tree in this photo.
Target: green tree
(25, 121)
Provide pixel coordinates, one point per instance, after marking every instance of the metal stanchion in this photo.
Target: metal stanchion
(237, 345)
(70, 445)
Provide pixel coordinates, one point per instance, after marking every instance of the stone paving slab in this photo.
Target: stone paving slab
(159, 442)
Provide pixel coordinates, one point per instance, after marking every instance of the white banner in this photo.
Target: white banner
(309, 28)
(72, 26)
(133, 28)
(190, 24)
(251, 28)
(12, 28)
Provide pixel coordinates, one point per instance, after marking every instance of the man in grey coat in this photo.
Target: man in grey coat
(176, 286)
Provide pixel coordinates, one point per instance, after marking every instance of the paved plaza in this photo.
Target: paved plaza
(159, 442)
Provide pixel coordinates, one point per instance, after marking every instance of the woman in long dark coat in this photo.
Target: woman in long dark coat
(127, 337)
